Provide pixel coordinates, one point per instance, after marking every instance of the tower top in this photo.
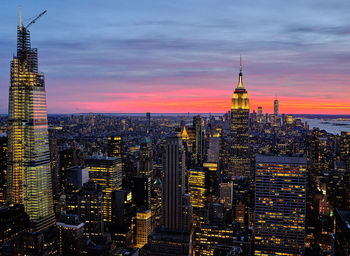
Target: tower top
(20, 17)
(240, 79)
(240, 64)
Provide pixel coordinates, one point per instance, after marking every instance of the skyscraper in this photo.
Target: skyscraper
(148, 116)
(174, 216)
(280, 205)
(123, 212)
(260, 115)
(175, 235)
(13, 221)
(275, 107)
(239, 160)
(115, 144)
(29, 175)
(145, 163)
(90, 205)
(143, 227)
(197, 189)
(141, 192)
(342, 232)
(71, 231)
(106, 172)
(198, 146)
(3, 167)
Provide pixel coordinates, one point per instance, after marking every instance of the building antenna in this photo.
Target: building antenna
(20, 16)
(240, 63)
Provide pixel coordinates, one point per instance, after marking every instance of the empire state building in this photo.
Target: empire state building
(239, 157)
(29, 176)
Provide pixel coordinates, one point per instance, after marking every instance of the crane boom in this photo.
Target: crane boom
(35, 19)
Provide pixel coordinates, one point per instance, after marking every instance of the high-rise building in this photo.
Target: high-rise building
(148, 116)
(211, 178)
(174, 216)
(226, 194)
(202, 184)
(29, 174)
(145, 163)
(280, 205)
(67, 159)
(260, 115)
(54, 164)
(214, 148)
(123, 212)
(13, 220)
(90, 208)
(197, 189)
(240, 159)
(156, 202)
(275, 107)
(215, 230)
(106, 172)
(75, 178)
(210, 235)
(321, 152)
(141, 192)
(3, 167)
(115, 144)
(342, 232)
(345, 148)
(289, 119)
(71, 232)
(175, 235)
(199, 140)
(30, 243)
(143, 227)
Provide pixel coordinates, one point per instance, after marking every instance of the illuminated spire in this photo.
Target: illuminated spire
(240, 80)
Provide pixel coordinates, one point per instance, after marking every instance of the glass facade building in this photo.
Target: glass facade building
(29, 175)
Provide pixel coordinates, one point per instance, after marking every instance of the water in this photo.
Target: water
(333, 126)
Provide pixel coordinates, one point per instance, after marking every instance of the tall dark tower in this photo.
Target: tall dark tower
(174, 237)
(145, 164)
(29, 176)
(175, 215)
(275, 107)
(198, 146)
(239, 160)
(148, 116)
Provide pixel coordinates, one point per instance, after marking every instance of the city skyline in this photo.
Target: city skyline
(171, 58)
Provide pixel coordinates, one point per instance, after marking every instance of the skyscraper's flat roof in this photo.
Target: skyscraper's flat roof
(281, 159)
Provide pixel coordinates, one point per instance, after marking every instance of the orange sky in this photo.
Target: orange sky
(198, 101)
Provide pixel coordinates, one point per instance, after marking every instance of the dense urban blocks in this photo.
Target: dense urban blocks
(240, 183)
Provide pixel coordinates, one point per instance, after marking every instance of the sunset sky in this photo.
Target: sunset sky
(121, 56)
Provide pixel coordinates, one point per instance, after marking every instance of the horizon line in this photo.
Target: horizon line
(179, 113)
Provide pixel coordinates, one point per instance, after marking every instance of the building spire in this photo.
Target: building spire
(20, 17)
(240, 80)
(240, 64)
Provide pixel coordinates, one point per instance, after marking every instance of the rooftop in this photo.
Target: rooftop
(281, 159)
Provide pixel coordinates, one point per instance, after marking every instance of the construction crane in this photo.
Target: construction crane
(35, 19)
